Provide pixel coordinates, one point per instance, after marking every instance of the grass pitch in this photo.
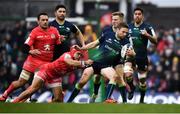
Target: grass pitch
(87, 108)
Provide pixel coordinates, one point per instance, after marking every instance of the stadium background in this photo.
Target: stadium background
(17, 18)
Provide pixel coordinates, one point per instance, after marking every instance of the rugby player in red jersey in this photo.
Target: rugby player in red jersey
(40, 47)
(51, 73)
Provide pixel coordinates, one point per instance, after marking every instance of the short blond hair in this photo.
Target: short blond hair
(120, 14)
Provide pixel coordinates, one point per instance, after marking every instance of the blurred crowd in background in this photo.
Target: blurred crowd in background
(164, 64)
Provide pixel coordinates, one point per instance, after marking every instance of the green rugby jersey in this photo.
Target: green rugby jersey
(109, 51)
(139, 41)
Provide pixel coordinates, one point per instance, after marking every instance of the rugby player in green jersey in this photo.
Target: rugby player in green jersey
(140, 32)
(109, 52)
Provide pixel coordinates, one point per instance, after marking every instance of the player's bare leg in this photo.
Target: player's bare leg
(142, 84)
(120, 81)
(36, 85)
(128, 73)
(111, 74)
(87, 73)
(58, 94)
(23, 79)
(97, 83)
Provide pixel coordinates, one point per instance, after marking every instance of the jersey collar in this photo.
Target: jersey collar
(138, 24)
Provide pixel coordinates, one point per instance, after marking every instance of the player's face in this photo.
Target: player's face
(43, 21)
(138, 16)
(61, 13)
(122, 32)
(77, 56)
(116, 20)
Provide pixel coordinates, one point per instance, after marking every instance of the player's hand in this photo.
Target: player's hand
(130, 52)
(88, 62)
(63, 38)
(76, 47)
(144, 33)
(34, 52)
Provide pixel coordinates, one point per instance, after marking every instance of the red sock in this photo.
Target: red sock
(8, 91)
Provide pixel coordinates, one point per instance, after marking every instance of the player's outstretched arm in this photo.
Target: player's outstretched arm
(72, 62)
(90, 45)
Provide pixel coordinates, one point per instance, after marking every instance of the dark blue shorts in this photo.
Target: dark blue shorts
(98, 66)
(141, 64)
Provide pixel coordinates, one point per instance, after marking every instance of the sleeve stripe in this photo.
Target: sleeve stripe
(153, 32)
(27, 40)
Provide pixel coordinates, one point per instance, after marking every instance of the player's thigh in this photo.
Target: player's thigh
(128, 69)
(86, 75)
(119, 70)
(120, 74)
(109, 72)
(37, 82)
(24, 76)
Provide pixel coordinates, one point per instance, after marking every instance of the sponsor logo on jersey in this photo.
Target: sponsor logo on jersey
(109, 40)
(61, 26)
(68, 28)
(111, 49)
(116, 41)
(47, 47)
(40, 36)
(130, 31)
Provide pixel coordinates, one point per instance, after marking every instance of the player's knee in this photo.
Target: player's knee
(114, 79)
(84, 78)
(20, 82)
(81, 83)
(120, 81)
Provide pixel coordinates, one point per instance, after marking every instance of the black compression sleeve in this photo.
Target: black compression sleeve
(26, 48)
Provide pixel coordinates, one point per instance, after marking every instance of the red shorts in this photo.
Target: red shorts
(31, 64)
(50, 81)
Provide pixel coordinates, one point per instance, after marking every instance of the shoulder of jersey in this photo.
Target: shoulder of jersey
(35, 29)
(107, 28)
(52, 28)
(130, 24)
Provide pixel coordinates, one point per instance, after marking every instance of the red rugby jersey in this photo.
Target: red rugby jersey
(59, 67)
(44, 41)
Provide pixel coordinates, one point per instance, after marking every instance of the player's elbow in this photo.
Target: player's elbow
(155, 41)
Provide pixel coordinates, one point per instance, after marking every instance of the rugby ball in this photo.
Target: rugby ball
(124, 49)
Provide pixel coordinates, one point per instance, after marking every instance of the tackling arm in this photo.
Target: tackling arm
(72, 62)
